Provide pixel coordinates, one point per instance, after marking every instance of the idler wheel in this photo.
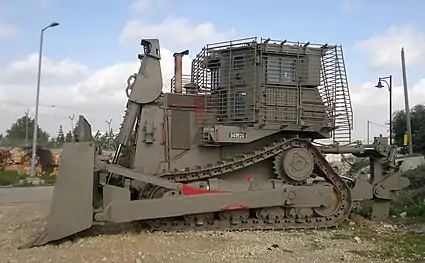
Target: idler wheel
(333, 203)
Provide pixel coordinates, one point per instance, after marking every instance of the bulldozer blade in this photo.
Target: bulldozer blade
(71, 209)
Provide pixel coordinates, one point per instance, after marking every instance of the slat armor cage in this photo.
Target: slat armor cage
(269, 83)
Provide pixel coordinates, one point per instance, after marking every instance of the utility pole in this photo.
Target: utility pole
(26, 127)
(109, 139)
(368, 131)
(406, 104)
(72, 124)
(109, 124)
(368, 128)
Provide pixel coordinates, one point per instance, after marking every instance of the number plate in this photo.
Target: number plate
(237, 135)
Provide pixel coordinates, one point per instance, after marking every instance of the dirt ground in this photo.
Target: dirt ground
(23, 211)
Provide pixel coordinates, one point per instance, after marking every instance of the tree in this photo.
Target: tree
(68, 137)
(60, 140)
(17, 133)
(110, 140)
(417, 116)
(98, 138)
(74, 129)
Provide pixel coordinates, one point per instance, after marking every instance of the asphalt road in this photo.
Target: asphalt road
(26, 194)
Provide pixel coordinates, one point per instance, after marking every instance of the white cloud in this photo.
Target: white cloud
(384, 50)
(9, 31)
(65, 71)
(173, 30)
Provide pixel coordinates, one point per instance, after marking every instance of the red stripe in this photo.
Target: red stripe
(184, 105)
(188, 190)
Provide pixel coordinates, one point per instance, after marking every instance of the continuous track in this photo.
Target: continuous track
(266, 218)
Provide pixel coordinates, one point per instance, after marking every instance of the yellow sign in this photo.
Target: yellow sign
(406, 139)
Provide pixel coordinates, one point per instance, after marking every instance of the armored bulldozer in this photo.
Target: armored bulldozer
(235, 145)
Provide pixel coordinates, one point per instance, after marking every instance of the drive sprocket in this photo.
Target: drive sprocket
(294, 165)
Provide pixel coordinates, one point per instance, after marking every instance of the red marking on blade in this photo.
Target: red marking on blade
(233, 207)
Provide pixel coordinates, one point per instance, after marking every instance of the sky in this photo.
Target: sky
(89, 56)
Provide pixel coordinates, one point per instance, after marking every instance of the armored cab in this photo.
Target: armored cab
(249, 89)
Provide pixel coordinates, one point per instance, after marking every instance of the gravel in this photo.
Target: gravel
(23, 220)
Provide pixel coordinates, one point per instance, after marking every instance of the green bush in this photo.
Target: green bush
(363, 208)
(11, 177)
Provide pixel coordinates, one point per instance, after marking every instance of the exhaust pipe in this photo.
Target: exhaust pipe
(178, 70)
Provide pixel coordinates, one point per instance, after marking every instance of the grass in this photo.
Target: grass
(397, 247)
(406, 247)
(11, 178)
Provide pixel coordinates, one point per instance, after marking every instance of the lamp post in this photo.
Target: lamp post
(34, 140)
(390, 88)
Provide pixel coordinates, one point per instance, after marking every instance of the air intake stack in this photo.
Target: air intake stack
(178, 70)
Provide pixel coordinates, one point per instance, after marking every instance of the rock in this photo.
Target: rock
(22, 182)
(274, 246)
(389, 226)
(35, 181)
(358, 240)
(17, 159)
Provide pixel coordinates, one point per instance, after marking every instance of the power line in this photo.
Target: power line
(377, 124)
(19, 103)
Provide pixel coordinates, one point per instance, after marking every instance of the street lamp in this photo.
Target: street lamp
(390, 88)
(34, 140)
